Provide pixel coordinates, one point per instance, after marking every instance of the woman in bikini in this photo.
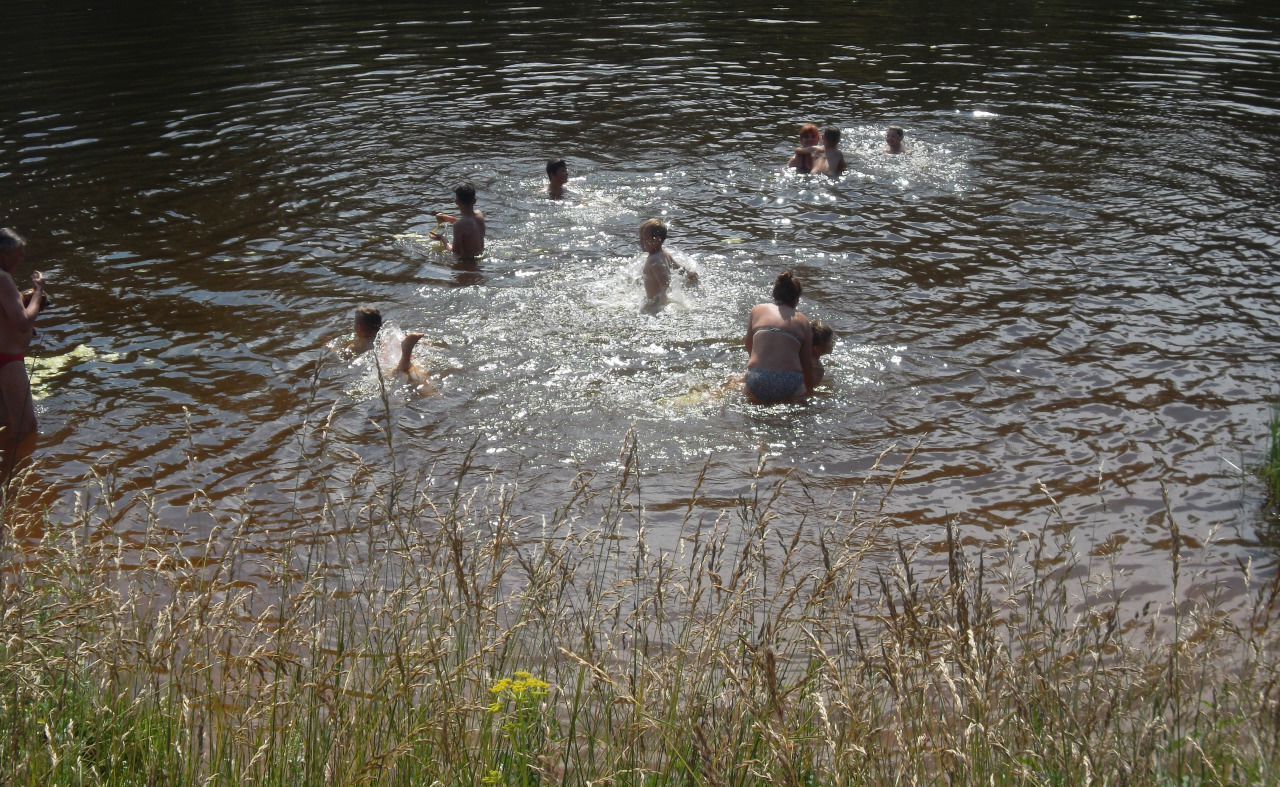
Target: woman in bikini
(780, 343)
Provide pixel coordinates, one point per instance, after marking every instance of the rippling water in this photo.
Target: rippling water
(1071, 281)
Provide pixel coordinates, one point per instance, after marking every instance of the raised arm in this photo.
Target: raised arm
(806, 358)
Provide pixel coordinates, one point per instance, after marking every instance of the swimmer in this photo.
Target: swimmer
(557, 177)
(808, 152)
(893, 137)
(832, 159)
(780, 347)
(824, 341)
(659, 264)
(17, 327)
(468, 225)
(367, 324)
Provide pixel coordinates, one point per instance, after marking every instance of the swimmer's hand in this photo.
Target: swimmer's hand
(37, 280)
(27, 295)
(690, 276)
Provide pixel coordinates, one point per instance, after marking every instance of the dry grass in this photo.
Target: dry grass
(404, 636)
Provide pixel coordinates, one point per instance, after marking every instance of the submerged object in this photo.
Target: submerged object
(43, 372)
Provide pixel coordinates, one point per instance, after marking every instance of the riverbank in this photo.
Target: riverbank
(415, 637)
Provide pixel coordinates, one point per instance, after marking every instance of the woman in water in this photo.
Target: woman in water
(780, 343)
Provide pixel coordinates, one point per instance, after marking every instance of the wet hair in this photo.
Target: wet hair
(369, 318)
(897, 131)
(809, 128)
(10, 240)
(786, 290)
(831, 135)
(465, 193)
(555, 165)
(654, 228)
(822, 334)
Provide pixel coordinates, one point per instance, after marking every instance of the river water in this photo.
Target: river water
(1070, 282)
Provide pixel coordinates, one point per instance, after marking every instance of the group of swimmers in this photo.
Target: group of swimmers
(785, 348)
(826, 159)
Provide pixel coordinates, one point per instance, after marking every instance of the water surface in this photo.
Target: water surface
(1067, 290)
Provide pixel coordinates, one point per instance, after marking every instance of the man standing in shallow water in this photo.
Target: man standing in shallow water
(468, 225)
(17, 326)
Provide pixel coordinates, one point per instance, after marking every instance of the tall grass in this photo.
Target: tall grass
(421, 633)
(1270, 470)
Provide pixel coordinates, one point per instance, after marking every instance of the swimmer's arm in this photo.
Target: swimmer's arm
(689, 273)
(806, 360)
(445, 218)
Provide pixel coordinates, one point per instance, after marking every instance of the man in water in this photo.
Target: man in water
(17, 326)
(557, 177)
(468, 225)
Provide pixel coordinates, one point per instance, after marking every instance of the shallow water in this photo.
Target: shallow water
(1071, 281)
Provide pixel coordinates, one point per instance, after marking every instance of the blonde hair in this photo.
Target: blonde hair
(654, 228)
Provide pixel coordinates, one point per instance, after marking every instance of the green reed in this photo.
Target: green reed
(1270, 470)
(424, 630)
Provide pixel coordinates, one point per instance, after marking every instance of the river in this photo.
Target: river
(1068, 288)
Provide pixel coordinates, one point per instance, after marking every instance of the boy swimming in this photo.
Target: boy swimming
(368, 322)
(893, 137)
(833, 159)
(659, 264)
(557, 177)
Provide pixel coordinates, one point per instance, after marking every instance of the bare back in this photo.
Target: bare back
(779, 338)
(468, 235)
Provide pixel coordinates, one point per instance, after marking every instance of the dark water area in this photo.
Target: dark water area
(1071, 281)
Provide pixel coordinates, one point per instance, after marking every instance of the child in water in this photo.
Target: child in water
(659, 264)
(368, 322)
(557, 177)
(833, 159)
(893, 137)
(824, 341)
(806, 156)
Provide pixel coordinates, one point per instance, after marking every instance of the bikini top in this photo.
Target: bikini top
(783, 331)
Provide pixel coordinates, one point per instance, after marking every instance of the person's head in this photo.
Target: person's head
(464, 194)
(368, 322)
(894, 135)
(653, 233)
(831, 136)
(557, 171)
(12, 249)
(786, 290)
(824, 339)
(809, 135)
